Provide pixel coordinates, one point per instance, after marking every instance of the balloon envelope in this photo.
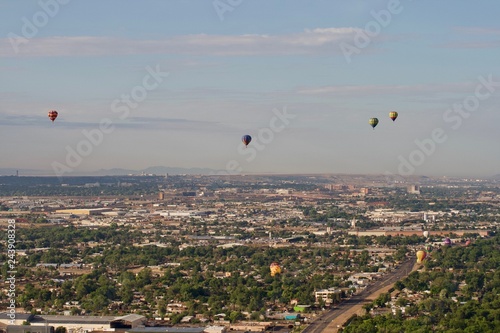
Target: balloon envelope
(52, 115)
(373, 122)
(447, 241)
(421, 256)
(393, 115)
(426, 233)
(275, 268)
(246, 139)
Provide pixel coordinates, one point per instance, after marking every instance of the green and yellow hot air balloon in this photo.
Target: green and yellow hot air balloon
(373, 122)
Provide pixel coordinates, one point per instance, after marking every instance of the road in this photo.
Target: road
(327, 323)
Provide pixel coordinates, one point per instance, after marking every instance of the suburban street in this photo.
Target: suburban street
(328, 321)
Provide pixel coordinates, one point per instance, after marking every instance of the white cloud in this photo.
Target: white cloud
(315, 41)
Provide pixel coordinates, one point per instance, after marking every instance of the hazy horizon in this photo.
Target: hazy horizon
(178, 83)
(7, 172)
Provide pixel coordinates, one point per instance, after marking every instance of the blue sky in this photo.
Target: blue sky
(233, 66)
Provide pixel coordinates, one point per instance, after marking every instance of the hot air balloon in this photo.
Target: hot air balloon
(373, 122)
(426, 234)
(428, 247)
(53, 115)
(246, 139)
(275, 268)
(447, 241)
(393, 115)
(421, 256)
(468, 242)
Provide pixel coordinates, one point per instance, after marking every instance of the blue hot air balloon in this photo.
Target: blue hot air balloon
(246, 139)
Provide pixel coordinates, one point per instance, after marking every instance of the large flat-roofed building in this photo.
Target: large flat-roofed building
(181, 213)
(82, 324)
(83, 211)
(367, 233)
(415, 232)
(29, 329)
(260, 326)
(74, 323)
(128, 321)
(16, 319)
(167, 330)
(208, 329)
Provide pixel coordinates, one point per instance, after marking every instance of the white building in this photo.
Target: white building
(327, 294)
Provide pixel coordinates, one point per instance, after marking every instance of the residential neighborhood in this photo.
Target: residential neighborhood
(182, 253)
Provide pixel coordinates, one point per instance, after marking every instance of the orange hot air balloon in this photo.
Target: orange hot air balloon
(393, 115)
(421, 256)
(53, 115)
(275, 268)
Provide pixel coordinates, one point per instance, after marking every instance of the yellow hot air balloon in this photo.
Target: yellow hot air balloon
(393, 115)
(275, 268)
(420, 256)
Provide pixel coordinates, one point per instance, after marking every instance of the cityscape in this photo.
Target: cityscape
(205, 253)
(238, 166)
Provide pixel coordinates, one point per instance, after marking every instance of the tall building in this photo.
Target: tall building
(364, 191)
(413, 189)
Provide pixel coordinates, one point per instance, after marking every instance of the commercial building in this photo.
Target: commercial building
(83, 211)
(74, 324)
(29, 329)
(327, 294)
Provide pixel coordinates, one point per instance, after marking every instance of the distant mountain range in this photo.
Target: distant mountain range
(24, 172)
(157, 170)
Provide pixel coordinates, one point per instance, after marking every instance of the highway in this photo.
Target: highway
(320, 324)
